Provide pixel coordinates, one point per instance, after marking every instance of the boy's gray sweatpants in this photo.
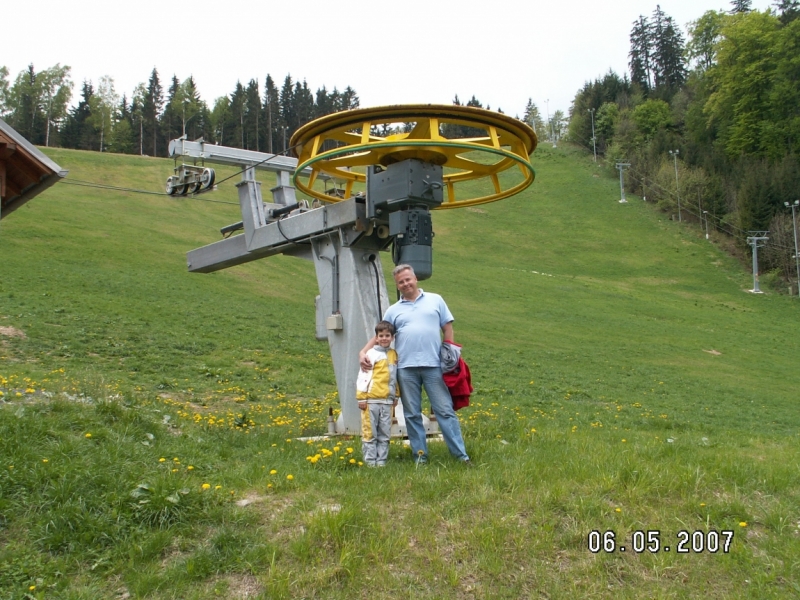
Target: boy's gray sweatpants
(376, 427)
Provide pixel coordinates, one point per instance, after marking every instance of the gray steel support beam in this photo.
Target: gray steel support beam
(223, 155)
(252, 206)
(276, 237)
(348, 330)
(284, 192)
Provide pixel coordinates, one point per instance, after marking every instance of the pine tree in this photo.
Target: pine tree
(193, 111)
(669, 56)
(122, 138)
(640, 54)
(252, 121)
(137, 117)
(234, 124)
(322, 103)
(25, 114)
(741, 6)
(789, 10)
(153, 102)
(657, 27)
(288, 121)
(219, 118)
(349, 99)
(272, 110)
(532, 117)
(657, 54)
(304, 105)
(74, 135)
(170, 121)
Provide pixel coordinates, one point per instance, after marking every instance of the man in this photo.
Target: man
(418, 317)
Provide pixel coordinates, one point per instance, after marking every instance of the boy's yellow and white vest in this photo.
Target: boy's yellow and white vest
(380, 382)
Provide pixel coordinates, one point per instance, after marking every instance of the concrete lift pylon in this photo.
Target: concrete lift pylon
(404, 178)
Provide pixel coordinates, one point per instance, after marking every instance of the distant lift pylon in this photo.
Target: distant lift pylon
(396, 164)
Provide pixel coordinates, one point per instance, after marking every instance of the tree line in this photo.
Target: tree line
(37, 105)
(725, 101)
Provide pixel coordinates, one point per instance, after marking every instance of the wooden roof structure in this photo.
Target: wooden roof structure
(24, 170)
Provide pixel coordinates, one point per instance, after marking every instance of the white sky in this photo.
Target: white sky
(406, 51)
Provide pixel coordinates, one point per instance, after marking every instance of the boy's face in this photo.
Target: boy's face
(384, 338)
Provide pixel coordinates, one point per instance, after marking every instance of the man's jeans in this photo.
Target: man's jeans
(411, 380)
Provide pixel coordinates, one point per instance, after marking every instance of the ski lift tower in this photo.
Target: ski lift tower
(397, 164)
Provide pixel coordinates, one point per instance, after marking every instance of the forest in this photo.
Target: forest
(709, 123)
(37, 104)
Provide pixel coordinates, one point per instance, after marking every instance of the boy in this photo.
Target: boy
(377, 393)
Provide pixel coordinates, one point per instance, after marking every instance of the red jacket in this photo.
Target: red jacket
(459, 382)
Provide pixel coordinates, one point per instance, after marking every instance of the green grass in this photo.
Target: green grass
(624, 380)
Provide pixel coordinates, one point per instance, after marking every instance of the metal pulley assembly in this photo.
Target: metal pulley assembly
(485, 155)
(190, 179)
(411, 160)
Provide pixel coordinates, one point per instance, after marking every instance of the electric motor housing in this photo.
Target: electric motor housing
(402, 184)
(413, 231)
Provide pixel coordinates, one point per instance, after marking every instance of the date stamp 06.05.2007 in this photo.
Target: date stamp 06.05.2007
(683, 542)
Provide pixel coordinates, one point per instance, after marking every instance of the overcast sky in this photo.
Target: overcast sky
(406, 51)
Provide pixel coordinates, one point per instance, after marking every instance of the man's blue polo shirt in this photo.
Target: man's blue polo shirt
(417, 325)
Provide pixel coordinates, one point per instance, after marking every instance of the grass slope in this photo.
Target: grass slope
(624, 381)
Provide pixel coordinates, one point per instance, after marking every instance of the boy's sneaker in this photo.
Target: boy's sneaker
(467, 463)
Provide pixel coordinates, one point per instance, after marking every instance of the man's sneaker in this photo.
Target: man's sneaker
(468, 463)
(422, 460)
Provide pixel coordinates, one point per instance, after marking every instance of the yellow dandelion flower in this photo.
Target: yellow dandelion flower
(336, 448)
(273, 472)
(88, 435)
(743, 524)
(217, 487)
(32, 588)
(702, 504)
(190, 468)
(205, 486)
(624, 440)
(349, 450)
(290, 477)
(174, 470)
(45, 461)
(360, 464)
(269, 485)
(617, 510)
(162, 460)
